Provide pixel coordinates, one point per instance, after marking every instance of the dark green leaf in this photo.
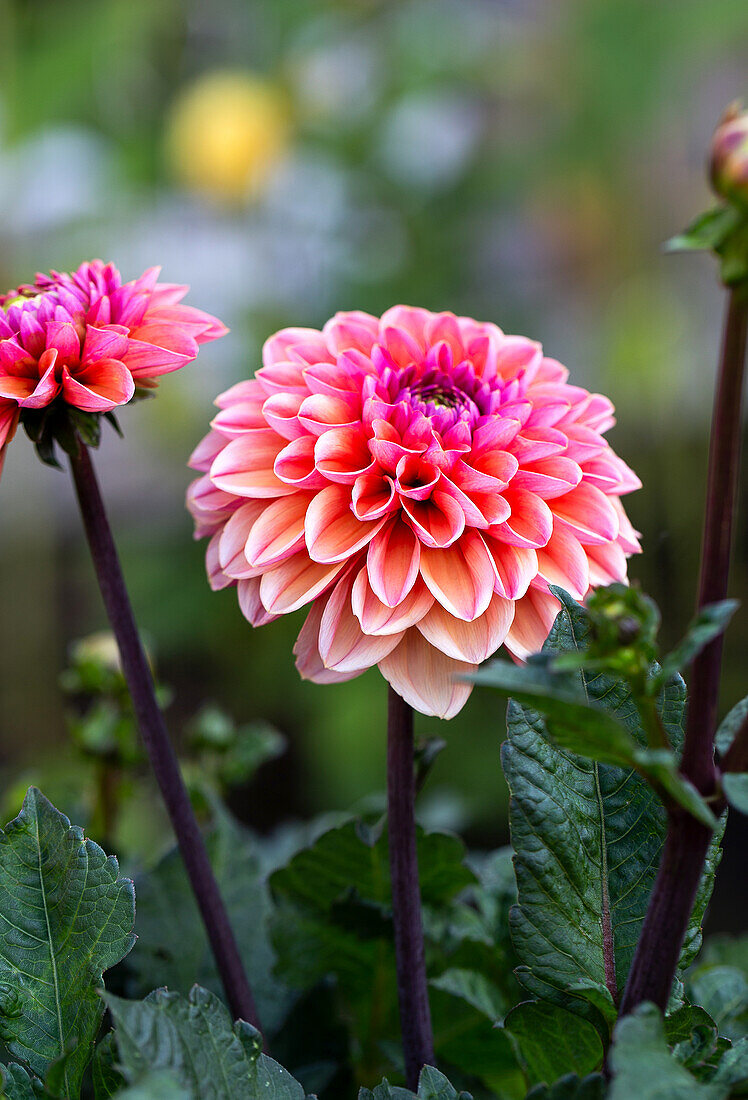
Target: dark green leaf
(723, 992)
(194, 1040)
(587, 838)
(171, 937)
(155, 1085)
(552, 1042)
(730, 726)
(733, 1069)
(643, 1067)
(692, 1035)
(432, 1085)
(67, 917)
(708, 624)
(735, 786)
(18, 1084)
(570, 1087)
(586, 728)
(107, 1078)
(708, 231)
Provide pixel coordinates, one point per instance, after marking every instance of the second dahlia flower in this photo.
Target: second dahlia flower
(87, 340)
(418, 481)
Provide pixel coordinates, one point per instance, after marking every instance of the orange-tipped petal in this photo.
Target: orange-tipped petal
(427, 679)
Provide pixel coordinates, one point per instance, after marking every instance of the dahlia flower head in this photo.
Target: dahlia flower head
(88, 340)
(418, 481)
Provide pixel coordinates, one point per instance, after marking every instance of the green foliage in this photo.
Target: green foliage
(587, 837)
(552, 1042)
(172, 943)
(724, 231)
(571, 1087)
(644, 1067)
(194, 1040)
(432, 1085)
(68, 916)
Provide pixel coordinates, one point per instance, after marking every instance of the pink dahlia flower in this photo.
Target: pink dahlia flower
(90, 339)
(418, 480)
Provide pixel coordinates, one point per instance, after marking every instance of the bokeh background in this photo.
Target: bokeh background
(522, 161)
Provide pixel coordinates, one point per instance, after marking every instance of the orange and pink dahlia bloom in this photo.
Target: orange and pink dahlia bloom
(417, 480)
(87, 339)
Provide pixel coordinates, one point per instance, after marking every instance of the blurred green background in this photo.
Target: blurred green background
(521, 161)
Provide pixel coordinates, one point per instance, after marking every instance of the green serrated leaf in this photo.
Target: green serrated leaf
(171, 935)
(18, 1084)
(692, 1035)
(432, 1085)
(588, 729)
(551, 1042)
(707, 625)
(643, 1066)
(193, 1039)
(67, 916)
(587, 838)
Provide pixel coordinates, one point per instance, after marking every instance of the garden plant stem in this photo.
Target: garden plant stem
(687, 842)
(415, 1015)
(156, 739)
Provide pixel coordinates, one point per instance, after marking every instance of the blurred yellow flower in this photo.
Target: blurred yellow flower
(226, 133)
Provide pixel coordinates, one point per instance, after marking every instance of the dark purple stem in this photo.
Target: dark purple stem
(687, 842)
(412, 990)
(156, 739)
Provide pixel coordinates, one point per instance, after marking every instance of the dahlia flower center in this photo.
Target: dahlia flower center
(446, 396)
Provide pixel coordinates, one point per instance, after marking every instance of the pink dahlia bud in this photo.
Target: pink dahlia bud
(88, 339)
(418, 481)
(728, 165)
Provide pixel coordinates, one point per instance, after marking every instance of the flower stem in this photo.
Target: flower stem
(156, 739)
(415, 1015)
(687, 842)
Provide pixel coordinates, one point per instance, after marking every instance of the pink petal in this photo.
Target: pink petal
(296, 581)
(275, 349)
(607, 564)
(231, 555)
(563, 562)
(431, 682)
(373, 496)
(548, 477)
(250, 603)
(468, 641)
(530, 523)
(203, 455)
(588, 514)
(514, 566)
(343, 646)
(99, 386)
(319, 412)
(461, 577)
(278, 532)
(103, 343)
(534, 615)
(342, 455)
(240, 417)
(332, 531)
(392, 562)
(308, 661)
(61, 336)
(245, 466)
(281, 412)
(217, 579)
(438, 521)
(377, 617)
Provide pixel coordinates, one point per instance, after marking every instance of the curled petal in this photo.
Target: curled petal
(279, 532)
(250, 604)
(514, 567)
(296, 581)
(332, 531)
(98, 387)
(468, 641)
(563, 562)
(461, 577)
(534, 615)
(392, 563)
(343, 646)
(308, 660)
(231, 555)
(426, 678)
(588, 514)
(377, 617)
(245, 466)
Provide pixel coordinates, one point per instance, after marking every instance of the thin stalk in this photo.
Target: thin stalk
(412, 990)
(687, 842)
(156, 739)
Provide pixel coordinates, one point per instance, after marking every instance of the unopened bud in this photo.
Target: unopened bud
(728, 159)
